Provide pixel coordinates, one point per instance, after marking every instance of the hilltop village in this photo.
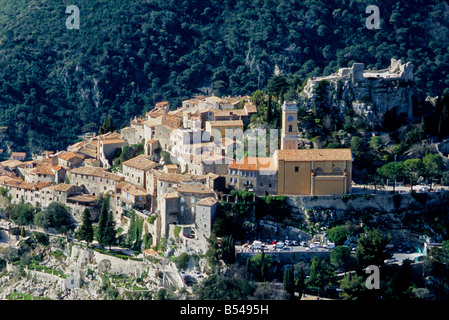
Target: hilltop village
(177, 179)
(172, 184)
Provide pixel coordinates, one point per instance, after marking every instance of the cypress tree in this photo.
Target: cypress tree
(110, 236)
(103, 224)
(86, 231)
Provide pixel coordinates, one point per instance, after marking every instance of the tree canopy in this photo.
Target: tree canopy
(128, 55)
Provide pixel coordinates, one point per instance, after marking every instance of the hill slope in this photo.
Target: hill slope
(127, 55)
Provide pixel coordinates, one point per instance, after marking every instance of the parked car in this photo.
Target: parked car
(279, 245)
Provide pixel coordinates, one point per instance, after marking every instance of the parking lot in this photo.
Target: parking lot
(276, 247)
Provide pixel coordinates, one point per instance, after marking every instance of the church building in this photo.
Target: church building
(309, 172)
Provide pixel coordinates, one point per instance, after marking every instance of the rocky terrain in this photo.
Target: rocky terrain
(67, 271)
(370, 94)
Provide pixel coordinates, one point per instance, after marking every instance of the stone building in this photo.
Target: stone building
(106, 150)
(131, 196)
(135, 169)
(59, 193)
(94, 180)
(314, 172)
(255, 174)
(206, 210)
(70, 160)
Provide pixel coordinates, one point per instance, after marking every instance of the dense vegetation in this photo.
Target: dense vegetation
(57, 83)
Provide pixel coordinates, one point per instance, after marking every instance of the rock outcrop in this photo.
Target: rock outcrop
(371, 94)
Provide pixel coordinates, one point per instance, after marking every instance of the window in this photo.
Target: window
(296, 169)
(290, 128)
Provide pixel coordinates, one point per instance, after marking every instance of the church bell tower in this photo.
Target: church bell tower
(289, 135)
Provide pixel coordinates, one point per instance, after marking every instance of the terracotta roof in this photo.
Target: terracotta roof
(83, 198)
(108, 136)
(97, 172)
(250, 107)
(18, 154)
(132, 189)
(88, 152)
(43, 169)
(151, 252)
(315, 155)
(19, 183)
(207, 202)
(7, 173)
(154, 122)
(254, 164)
(62, 187)
(70, 155)
(11, 163)
(41, 184)
(171, 177)
(113, 141)
(195, 189)
(152, 141)
(140, 162)
(170, 195)
(191, 101)
(162, 104)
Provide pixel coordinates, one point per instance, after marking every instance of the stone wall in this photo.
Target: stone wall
(83, 258)
(403, 216)
(380, 202)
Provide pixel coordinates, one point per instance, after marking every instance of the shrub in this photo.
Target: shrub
(41, 238)
(182, 261)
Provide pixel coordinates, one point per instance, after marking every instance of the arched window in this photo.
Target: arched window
(290, 128)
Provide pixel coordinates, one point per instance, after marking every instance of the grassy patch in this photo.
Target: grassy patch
(19, 296)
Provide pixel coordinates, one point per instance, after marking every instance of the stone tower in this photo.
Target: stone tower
(289, 135)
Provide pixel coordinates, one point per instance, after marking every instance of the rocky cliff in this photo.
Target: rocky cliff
(370, 94)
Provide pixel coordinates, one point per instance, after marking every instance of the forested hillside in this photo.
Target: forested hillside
(56, 83)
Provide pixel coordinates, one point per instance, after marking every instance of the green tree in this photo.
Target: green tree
(226, 286)
(58, 216)
(289, 281)
(261, 265)
(353, 287)
(40, 220)
(358, 147)
(278, 86)
(22, 213)
(371, 249)
(341, 257)
(300, 282)
(392, 171)
(443, 252)
(86, 231)
(337, 234)
(321, 273)
(110, 232)
(108, 126)
(413, 169)
(433, 165)
(103, 224)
